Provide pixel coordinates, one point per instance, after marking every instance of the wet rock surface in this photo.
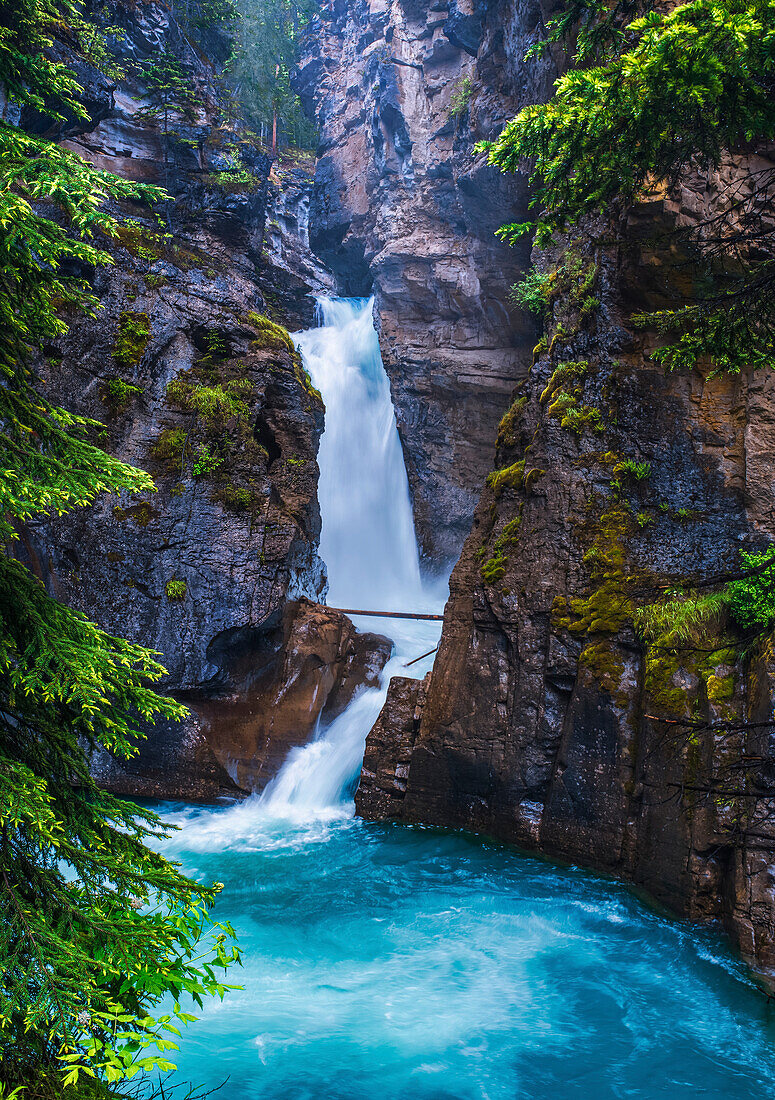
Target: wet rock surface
(275, 682)
(401, 92)
(548, 719)
(389, 749)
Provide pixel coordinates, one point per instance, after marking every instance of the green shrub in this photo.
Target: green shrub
(533, 292)
(461, 98)
(752, 598)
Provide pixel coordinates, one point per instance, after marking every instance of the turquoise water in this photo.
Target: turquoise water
(394, 962)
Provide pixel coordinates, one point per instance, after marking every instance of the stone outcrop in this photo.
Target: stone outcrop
(195, 384)
(549, 720)
(276, 682)
(401, 91)
(389, 749)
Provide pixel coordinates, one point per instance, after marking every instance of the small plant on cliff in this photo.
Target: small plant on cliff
(175, 589)
(681, 619)
(117, 393)
(205, 461)
(461, 98)
(533, 292)
(215, 404)
(638, 471)
(96, 928)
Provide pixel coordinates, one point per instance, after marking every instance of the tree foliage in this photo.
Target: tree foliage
(648, 99)
(268, 36)
(96, 928)
(752, 596)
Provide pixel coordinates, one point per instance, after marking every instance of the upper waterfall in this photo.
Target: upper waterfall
(368, 540)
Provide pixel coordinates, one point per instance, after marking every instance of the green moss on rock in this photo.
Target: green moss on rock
(132, 337)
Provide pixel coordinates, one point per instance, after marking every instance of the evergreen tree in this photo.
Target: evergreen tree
(95, 927)
(269, 32)
(648, 99)
(170, 85)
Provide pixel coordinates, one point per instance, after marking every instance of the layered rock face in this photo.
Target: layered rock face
(557, 716)
(196, 385)
(401, 91)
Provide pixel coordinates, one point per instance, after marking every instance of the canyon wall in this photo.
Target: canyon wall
(549, 720)
(195, 383)
(401, 92)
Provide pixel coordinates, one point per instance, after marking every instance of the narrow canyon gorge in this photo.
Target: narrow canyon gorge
(439, 531)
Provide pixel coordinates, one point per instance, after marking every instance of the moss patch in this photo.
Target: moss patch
(507, 429)
(494, 569)
(603, 661)
(168, 448)
(269, 334)
(609, 604)
(132, 337)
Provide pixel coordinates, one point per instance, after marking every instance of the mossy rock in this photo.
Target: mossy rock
(168, 448)
(132, 338)
(270, 335)
(507, 429)
(605, 664)
(570, 370)
(512, 477)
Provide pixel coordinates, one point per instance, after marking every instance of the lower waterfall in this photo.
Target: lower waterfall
(408, 963)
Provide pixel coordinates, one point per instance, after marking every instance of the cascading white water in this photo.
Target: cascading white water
(367, 542)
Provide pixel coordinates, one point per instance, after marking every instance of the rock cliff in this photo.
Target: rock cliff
(401, 91)
(549, 720)
(196, 384)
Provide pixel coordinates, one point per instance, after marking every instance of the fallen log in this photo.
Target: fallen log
(389, 614)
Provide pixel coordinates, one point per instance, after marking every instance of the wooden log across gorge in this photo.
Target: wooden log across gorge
(389, 614)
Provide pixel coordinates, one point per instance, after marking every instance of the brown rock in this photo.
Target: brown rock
(277, 683)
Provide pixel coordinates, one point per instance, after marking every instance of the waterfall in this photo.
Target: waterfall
(367, 542)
